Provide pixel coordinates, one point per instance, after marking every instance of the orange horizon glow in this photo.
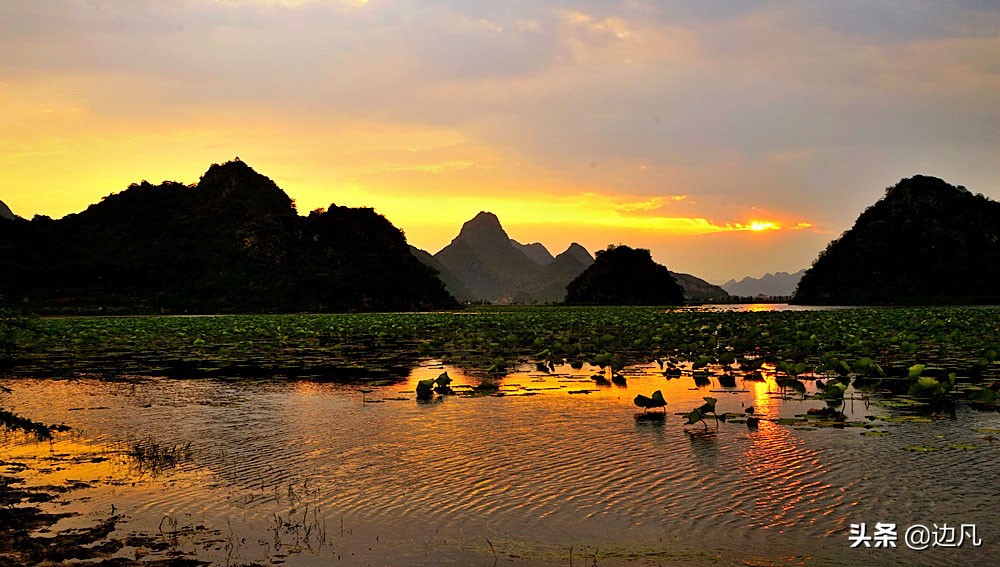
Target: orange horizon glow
(430, 205)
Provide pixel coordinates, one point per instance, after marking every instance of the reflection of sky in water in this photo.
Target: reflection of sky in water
(535, 471)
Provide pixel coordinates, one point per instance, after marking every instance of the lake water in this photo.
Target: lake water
(556, 472)
(762, 307)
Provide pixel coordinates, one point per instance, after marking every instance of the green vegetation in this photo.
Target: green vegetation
(15, 330)
(874, 347)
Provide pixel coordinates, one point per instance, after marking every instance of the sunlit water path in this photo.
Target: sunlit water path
(316, 473)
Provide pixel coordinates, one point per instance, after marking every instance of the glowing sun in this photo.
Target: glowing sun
(758, 226)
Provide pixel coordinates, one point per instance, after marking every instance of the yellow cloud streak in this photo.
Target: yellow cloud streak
(420, 178)
(595, 210)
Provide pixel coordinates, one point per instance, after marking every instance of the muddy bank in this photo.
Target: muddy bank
(29, 534)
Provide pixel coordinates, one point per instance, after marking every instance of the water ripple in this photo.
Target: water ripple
(551, 467)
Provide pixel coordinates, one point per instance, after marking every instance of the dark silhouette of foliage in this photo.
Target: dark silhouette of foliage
(622, 275)
(231, 243)
(925, 242)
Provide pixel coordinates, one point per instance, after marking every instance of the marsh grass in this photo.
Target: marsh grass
(302, 526)
(148, 456)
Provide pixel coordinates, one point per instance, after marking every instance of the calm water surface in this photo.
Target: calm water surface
(315, 474)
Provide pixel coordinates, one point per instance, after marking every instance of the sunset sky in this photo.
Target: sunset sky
(675, 126)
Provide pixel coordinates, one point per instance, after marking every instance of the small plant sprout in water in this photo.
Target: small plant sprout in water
(699, 413)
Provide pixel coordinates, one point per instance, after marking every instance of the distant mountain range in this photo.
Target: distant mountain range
(780, 284)
(483, 263)
(925, 242)
(699, 290)
(231, 243)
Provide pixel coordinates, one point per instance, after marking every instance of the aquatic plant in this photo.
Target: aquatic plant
(832, 390)
(699, 413)
(425, 389)
(152, 457)
(727, 380)
(701, 379)
(16, 329)
(654, 401)
(929, 387)
(489, 340)
(441, 385)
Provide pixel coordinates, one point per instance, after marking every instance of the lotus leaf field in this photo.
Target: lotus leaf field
(522, 434)
(923, 352)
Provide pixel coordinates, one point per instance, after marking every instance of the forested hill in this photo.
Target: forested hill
(621, 275)
(232, 243)
(925, 242)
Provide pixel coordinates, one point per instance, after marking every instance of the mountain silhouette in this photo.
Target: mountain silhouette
(580, 253)
(484, 260)
(564, 268)
(5, 212)
(699, 290)
(768, 285)
(454, 285)
(231, 243)
(535, 251)
(621, 275)
(924, 242)
(483, 263)
(491, 266)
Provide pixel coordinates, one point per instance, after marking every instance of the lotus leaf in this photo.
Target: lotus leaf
(926, 387)
(695, 416)
(425, 389)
